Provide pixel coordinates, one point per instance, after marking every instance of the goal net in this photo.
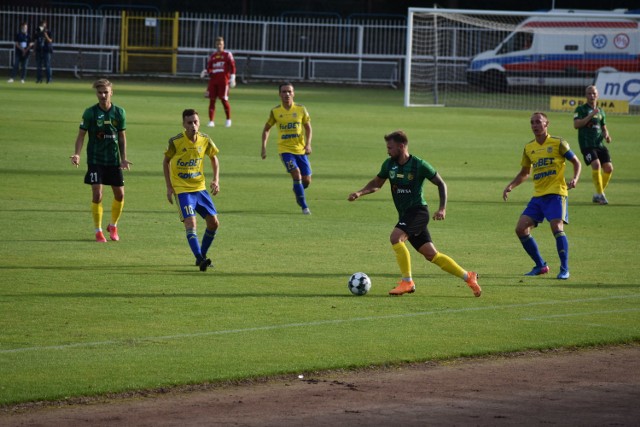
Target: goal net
(511, 60)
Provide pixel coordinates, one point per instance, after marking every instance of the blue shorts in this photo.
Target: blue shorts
(196, 202)
(549, 207)
(296, 161)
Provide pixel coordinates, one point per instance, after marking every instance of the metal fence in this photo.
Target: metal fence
(363, 50)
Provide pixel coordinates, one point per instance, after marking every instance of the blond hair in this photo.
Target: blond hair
(101, 82)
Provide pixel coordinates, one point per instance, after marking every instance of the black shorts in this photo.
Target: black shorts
(105, 175)
(601, 154)
(414, 223)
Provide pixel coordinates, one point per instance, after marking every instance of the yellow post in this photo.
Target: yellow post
(174, 44)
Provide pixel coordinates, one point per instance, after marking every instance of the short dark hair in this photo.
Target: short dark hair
(397, 136)
(284, 84)
(188, 112)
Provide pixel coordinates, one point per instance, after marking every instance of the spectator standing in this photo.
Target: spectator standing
(23, 46)
(44, 48)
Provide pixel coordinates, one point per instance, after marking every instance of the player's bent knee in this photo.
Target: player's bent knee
(213, 223)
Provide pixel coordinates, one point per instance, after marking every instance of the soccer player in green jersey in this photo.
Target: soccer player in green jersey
(294, 141)
(546, 157)
(406, 174)
(183, 168)
(592, 131)
(105, 123)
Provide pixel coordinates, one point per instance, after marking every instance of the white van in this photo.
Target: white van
(559, 51)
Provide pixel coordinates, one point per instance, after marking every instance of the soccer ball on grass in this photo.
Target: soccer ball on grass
(359, 283)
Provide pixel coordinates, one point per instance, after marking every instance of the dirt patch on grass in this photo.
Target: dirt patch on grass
(587, 387)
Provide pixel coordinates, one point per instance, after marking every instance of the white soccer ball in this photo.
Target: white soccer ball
(359, 283)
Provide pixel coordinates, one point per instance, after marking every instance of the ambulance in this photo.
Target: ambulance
(559, 51)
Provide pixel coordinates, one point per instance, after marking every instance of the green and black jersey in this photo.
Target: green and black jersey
(590, 136)
(103, 127)
(406, 181)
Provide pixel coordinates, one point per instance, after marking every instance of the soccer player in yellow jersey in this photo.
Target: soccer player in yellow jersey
(294, 141)
(546, 157)
(183, 167)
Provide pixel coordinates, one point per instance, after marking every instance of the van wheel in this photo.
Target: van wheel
(495, 81)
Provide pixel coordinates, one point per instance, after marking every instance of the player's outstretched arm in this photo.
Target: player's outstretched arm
(372, 186)
(519, 179)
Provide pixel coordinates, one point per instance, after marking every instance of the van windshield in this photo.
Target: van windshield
(518, 41)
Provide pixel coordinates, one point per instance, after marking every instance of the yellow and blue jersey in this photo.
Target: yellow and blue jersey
(187, 161)
(548, 161)
(290, 124)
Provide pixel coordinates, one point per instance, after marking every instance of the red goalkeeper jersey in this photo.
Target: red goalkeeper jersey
(220, 66)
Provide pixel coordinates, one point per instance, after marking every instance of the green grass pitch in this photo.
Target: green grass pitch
(80, 318)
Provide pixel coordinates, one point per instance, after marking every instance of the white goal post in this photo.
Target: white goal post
(513, 60)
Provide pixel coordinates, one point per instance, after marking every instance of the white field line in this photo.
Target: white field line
(587, 313)
(317, 323)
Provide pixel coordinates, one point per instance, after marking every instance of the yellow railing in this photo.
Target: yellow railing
(149, 43)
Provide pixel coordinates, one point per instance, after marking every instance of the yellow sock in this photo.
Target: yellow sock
(116, 211)
(96, 213)
(606, 177)
(597, 180)
(449, 265)
(403, 257)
